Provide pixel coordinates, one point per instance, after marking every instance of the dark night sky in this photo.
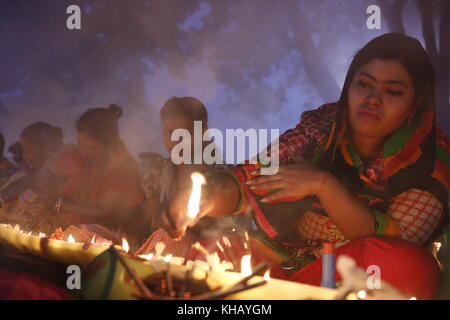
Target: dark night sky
(248, 60)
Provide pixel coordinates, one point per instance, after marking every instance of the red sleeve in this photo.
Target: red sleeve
(306, 138)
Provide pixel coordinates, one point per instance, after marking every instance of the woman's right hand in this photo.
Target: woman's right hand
(174, 217)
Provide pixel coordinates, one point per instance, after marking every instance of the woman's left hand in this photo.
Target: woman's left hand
(292, 182)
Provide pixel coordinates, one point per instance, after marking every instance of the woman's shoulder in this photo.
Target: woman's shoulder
(152, 163)
(66, 161)
(153, 168)
(321, 117)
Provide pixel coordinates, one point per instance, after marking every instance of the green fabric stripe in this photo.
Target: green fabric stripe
(380, 222)
(315, 159)
(399, 138)
(110, 276)
(355, 158)
(443, 155)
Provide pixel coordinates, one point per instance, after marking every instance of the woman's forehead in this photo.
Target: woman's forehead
(386, 71)
(177, 121)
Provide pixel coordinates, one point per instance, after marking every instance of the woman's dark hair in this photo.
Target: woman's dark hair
(101, 124)
(44, 135)
(409, 52)
(188, 107)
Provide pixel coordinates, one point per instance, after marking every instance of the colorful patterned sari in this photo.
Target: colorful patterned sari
(406, 184)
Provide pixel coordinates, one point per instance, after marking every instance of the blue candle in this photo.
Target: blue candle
(328, 267)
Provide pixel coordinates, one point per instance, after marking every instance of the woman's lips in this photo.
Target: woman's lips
(367, 115)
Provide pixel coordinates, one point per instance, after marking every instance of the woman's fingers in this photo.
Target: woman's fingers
(264, 179)
(167, 224)
(277, 184)
(277, 196)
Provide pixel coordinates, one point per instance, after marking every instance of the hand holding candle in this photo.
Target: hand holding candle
(185, 209)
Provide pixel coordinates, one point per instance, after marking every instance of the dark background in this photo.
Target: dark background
(254, 63)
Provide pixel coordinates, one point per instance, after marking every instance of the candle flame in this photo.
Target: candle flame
(246, 266)
(413, 298)
(437, 245)
(70, 239)
(125, 245)
(168, 258)
(194, 200)
(361, 294)
(219, 246)
(29, 233)
(93, 239)
(42, 235)
(267, 275)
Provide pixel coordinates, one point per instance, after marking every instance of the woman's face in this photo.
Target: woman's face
(171, 124)
(90, 147)
(380, 98)
(33, 154)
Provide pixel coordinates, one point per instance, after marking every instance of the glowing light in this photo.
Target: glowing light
(413, 298)
(93, 239)
(29, 233)
(361, 294)
(125, 245)
(267, 275)
(219, 246)
(246, 266)
(194, 200)
(146, 256)
(437, 245)
(168, 258)
(70, 239)
(42, 235)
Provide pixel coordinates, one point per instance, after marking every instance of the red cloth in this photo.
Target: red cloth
(407, 266)
(23, 286)
(410, 268)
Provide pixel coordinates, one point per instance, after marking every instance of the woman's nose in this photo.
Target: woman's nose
(374, 98)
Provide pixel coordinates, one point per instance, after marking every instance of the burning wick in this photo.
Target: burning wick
(194, 200)
(267, 275)
(246, 267)
(125, 245)
(70, 239)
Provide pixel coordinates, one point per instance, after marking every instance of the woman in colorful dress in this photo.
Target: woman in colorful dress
(104, 188)
(369, 173)
(162, 178)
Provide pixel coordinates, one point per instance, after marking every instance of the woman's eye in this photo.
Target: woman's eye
(395, 93)
(363, 84)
